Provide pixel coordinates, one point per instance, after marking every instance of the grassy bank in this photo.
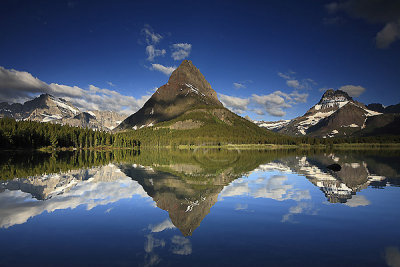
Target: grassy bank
(274, 146)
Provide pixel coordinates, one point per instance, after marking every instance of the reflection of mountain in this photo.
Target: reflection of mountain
(187, 188)
(93, 187)
(188, 183)
(356, 173)
(184, 190)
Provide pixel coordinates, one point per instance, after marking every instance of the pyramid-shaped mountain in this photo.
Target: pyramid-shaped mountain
(186, 89)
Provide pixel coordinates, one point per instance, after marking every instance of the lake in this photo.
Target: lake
(200, 207)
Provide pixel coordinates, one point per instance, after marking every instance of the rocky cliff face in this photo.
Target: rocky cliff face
(336, 114)
(186, 89)
(47, 108)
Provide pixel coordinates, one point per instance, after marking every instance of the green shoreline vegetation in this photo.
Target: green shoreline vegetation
(49, 136)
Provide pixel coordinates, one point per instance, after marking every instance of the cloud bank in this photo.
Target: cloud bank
(20, 86)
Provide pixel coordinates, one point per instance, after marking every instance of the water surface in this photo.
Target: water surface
(200, 208)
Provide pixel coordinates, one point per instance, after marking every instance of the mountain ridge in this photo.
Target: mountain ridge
(338, 115)
(47, 108)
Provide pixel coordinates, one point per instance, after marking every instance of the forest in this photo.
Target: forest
(31, 134)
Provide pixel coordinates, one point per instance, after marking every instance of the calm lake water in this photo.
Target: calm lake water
(200, 208)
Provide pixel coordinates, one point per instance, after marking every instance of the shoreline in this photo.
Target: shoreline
(343, 146)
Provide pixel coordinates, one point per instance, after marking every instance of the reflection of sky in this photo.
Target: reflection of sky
(269, 215)
(270, 186)
(16, 207)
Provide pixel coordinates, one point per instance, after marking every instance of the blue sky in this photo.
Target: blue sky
(266, 59)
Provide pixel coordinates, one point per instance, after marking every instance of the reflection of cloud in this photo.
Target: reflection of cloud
(151, 243)
(167, 224)
(301, 207)
(241, 206)
(357, 201)
(274, 187)
(392, 256)
(16, 207)
(181, 245)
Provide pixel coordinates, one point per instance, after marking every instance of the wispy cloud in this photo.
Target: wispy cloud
(20, 86)
(152, 38)
(181, 51)
(295, 83)
(152, 52)
(239, 85)
(166, 70)
(111, 84)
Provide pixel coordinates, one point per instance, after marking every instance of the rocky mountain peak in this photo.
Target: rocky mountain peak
(334, 95)
(187, 73)
(186, 89)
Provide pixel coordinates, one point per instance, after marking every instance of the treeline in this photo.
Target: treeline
(31, 134)
(210, 135)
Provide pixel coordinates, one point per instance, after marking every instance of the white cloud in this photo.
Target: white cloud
(239, 85)
(293, 83)
(152, 52)
(236, 104)
(181, 51)
(273, 103)
(259, 112)
(284, 76)
(389, 34)
(111, 84)
(20, 86)
(166, 70)
(353, 90)
(150, 36)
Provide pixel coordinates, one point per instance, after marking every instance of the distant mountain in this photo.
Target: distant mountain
(47, 108)
(382, 109)
(338, 115)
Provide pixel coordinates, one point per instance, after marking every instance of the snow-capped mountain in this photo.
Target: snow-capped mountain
(336, 114)
(47, 108)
